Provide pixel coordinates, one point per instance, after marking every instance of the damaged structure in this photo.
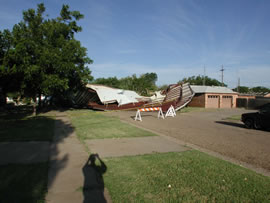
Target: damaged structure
(100, 97)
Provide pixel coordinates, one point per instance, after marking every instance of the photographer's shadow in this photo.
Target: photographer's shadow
(93, 188)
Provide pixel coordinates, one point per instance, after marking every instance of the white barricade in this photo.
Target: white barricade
(138, 114)
(171, 112)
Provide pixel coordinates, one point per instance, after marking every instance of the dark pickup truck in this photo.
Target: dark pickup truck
(257, 120)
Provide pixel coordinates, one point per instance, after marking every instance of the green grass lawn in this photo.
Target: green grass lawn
(191, 109)
(23, 182)
(197, 109)
(234, 118)
(96, 125)
(28, 128)
(189, 176)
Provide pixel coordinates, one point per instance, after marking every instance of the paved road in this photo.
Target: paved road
(209, 130)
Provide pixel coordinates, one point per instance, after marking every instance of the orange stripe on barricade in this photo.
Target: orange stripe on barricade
(150, 109)
(138, 114)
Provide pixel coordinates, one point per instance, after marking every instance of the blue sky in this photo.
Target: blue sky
(174, 38)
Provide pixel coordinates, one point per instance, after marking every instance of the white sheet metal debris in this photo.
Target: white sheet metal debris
(109, 95)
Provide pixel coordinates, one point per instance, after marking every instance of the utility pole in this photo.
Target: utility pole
(238, 86)
(222, 70)
(203, 75)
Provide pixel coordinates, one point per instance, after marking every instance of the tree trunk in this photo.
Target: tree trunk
(34, 106)
(3, 98)
(39, 101)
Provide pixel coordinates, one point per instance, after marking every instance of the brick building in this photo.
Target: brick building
(213, 97)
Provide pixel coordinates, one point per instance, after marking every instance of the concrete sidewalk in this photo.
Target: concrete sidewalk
(67, 160)
(133, 146)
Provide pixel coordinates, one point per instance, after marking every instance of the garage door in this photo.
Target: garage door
(213, 101)
(226, 101)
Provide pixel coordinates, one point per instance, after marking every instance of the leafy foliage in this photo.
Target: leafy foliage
(242, 89)
(143, 84)
(9, 78)
(260, 89)
(198, 80)
(163, 87)
(111, 82)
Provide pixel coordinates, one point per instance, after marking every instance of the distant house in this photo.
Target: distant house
(213, 97)
(267, 95)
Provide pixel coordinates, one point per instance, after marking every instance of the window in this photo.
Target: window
(227, 97)
(213, 96)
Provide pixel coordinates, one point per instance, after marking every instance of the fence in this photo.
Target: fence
(252, 103)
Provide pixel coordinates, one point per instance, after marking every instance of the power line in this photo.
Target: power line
(238, 86)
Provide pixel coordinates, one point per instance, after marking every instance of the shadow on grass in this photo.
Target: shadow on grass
(28, 181)
(16, 112)
(23, 182)
(38, 128)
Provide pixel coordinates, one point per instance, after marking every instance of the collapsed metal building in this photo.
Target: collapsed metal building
(100, 97)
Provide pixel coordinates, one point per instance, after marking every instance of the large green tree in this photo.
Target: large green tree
(242, 89)
(47, 55)
(199, 80)
(110, 81)
(260, 89)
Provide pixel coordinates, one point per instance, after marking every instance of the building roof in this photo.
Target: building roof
(211, 89)
(110, 95)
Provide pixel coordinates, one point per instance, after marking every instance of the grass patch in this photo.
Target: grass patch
(234, 118)
(95, 125)
(198, 109)
(28, 128)
(23, 182)
(192, 175)
(191, 109)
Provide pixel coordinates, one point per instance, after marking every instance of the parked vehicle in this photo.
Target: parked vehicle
(258, 120)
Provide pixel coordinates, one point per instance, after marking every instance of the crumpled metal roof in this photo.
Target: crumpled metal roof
(211, 89)
(110, 95)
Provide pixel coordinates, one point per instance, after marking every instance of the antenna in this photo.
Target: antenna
(222, 70)
(238, 87)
